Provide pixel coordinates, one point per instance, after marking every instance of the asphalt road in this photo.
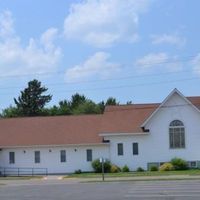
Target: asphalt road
(149, 190)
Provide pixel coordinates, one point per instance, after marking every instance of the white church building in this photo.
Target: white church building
(136, 135)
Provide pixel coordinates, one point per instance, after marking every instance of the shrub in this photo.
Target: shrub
(166, 167)
(97, 166)
(153, 168)
(78, 171)
(114, 169)
(125, 168)
(140, 169)
(179, 164)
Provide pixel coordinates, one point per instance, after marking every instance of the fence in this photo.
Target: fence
(6, 171)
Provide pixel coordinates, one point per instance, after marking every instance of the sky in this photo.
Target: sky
(133, 50)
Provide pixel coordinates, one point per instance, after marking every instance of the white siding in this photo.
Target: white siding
(155, 146)
(76, 158)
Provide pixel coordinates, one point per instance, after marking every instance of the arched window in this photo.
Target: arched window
(177, 134)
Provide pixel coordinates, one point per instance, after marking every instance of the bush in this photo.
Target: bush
(140, 169)
(166, 167)
(114, 169)
(179, 164)
(78, 171)
(153, 168)
(125, 168)
(97, 166)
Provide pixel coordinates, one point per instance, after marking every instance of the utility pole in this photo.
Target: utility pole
(102, 167)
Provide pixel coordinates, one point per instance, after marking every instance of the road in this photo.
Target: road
(64, 190)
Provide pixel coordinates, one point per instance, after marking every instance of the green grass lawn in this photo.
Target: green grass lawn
(191, 172)
(20, 177)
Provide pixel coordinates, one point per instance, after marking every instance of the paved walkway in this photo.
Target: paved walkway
(53, 177)
(138, 178)
(61, 180)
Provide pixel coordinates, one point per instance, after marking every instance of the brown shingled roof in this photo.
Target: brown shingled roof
(127, 118)
(58, 130)
(83, 129)
(195, 101)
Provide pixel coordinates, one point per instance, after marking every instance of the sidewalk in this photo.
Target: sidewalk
(61, 180)
(138, 178)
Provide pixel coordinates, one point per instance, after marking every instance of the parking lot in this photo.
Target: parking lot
(66, 190)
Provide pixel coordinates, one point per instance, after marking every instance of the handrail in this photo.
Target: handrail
(22, 171)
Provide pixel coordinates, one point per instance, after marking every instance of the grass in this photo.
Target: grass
(20, 177)
(191, 172)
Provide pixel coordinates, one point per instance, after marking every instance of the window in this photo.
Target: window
(62, 156)
(37, 156)
(120, 150)
(177, 134)
(12, 157)
(89, 155)
(193, 164)
(135, 149)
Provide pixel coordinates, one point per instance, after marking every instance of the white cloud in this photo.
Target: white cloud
(157, 62)
(196, 64)
(103, 22)
(96, 65)
(6, 24)
(172, 39)
(39, 56)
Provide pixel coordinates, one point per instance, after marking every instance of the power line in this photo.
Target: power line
(184, 59)
(123, 86)
(108, 79)
(128, 86)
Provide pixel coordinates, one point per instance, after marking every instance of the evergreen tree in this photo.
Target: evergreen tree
(77, 100)
(32, 101)
(112, 101)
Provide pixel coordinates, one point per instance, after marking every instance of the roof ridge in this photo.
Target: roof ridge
(132, 104)
(54, 116)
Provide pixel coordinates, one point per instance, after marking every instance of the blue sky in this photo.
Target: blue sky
(136, 50)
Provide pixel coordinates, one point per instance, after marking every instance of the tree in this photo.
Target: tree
(129, 102)
(111, 101)
(65, 107)
(88, 107)
(31, 101)
(10, 112)
(77, 100)
(101, 106)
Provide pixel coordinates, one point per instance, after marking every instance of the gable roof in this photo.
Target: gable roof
(166, 99)
(131, 118)
(127, 118)
(82, 129)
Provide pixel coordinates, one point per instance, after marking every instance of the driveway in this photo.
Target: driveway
(66, 190)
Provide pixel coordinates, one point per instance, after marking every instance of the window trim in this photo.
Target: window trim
(180, 128)
(63, 157)
(37, 159)
(137, 149)
(11, 161)
(120, 152)
(89, 155)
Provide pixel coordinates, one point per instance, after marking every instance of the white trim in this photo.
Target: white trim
(165, 100)
(122, 134)
(59, 145)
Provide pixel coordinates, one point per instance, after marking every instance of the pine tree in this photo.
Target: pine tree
(31, 101)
